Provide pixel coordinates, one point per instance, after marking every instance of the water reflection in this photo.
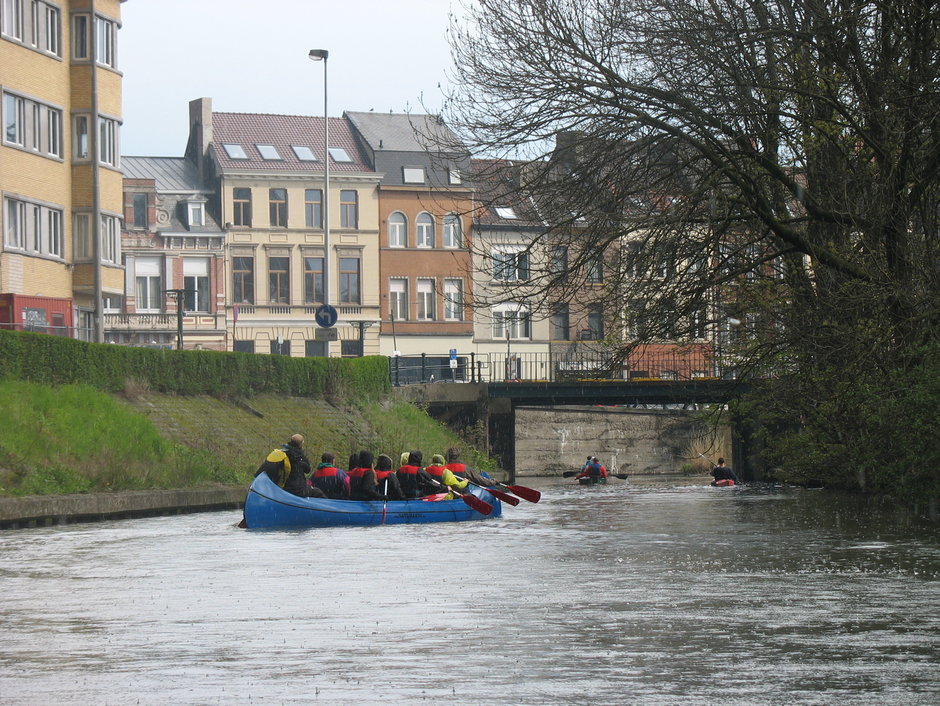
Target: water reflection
(681, 594)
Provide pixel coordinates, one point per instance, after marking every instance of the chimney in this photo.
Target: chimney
(200, 133)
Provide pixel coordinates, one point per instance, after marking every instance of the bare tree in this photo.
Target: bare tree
(769, 162)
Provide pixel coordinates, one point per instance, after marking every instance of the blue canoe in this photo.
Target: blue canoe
(269, 506)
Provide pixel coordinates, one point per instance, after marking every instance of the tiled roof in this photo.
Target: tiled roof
(405, 132)
(504, 203)
(283, 132)
(173, 174)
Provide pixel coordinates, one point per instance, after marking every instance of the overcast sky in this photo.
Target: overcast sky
(250, 56)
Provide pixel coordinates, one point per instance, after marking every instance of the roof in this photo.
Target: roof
(175, 174)
(405, 132)
(283, 132)
(504, 203)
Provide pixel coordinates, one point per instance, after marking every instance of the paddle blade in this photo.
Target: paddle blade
(569, 474)
(505, 497)
(530, 494)
(481, 506)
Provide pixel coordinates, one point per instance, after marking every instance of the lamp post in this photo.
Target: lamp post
(178, 295)
(322, 55)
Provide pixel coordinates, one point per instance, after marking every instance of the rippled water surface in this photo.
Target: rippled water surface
(622, 594)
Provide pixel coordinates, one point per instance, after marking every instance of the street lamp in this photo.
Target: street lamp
(322, 55)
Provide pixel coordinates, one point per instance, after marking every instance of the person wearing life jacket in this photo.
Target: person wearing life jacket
(443, 475)
(593, 470)
(413, 479)
(289, 466)
(362, 480)
(333, 481)
(459, 469)
(386, 478)
(721, 472)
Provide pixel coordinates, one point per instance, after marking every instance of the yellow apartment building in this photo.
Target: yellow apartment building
(60, 178)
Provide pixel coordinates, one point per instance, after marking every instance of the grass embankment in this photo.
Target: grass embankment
(74, 438)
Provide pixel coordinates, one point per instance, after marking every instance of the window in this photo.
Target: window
(268, 151)
(140, 210)
(424, 306)
(316, 349)
(196, 284)
(511, 320)
(313, 279)
(339, 154)
(350, 348)
(560, 323)
(106, 36)
(241, 203)
(313, 207)
(511, 264)
(80, 137)
(234, 151)
(637, 319)
(595, 273)
(412, 175)
(505, 212)
(278, 205)
(454, 176)
(452, 230)
(196, 213)
(280, 347)
(595, 322)
(279, 280)
(349, 280)
(698, 322)
(149, 289)
(12, 19)
(349, 208)
(80, 36)
(398, 299)
(397, 230)
(39, 27)
(243, 280)
(558, 265)
(453, 299)
(31, 227)
(32, 125)
(110, 239)
(107, 141)
(304, 153)
(81, 237)
(424, 231)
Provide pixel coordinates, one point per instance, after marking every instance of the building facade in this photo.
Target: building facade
(60, 178)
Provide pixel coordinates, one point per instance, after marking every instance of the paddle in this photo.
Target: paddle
(385, 502)
(505, 497)
(481, 506)
(530, 494)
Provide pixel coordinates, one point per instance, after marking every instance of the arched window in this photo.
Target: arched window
(397, 230)
(452, 237)
(424, 227)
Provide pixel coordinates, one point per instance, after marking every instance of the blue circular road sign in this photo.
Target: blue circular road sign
(325, 315)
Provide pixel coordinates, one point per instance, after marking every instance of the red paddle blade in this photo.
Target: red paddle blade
(530, 494)
(505, 497)
(481, 506)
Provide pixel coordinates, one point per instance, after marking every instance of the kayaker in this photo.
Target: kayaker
(289, 466)
(386, 479)
(334, 482)
(362, 480)
(594, 470)
(459, 469)
(443, 475)
(723, 472)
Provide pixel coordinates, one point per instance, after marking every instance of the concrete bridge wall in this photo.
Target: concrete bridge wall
(550, 440)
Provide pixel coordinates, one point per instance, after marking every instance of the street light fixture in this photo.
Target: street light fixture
(322, 55)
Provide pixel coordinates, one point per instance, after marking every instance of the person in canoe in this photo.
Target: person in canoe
(594, 470)
(289, 467)
(443, 475)
(334, 482)
(721, 472)
(386, 478)
(459, 469)
(413, 479)
(363, 484)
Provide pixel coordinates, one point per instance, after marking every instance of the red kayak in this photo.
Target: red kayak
(724, 483)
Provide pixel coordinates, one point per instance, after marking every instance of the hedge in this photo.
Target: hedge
(56, 361)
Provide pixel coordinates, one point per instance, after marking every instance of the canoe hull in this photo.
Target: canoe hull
(268, 506)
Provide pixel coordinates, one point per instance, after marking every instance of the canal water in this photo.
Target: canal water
(618, 594)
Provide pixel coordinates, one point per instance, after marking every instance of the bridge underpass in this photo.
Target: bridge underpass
(498, 404)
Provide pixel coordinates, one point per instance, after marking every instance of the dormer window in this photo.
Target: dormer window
(195, 213)
(412, 175)
(235, 151)
(268, 151)
(454, 176)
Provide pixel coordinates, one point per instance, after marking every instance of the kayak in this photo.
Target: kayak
(591, 480)
(723, 483)
(268, 506)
